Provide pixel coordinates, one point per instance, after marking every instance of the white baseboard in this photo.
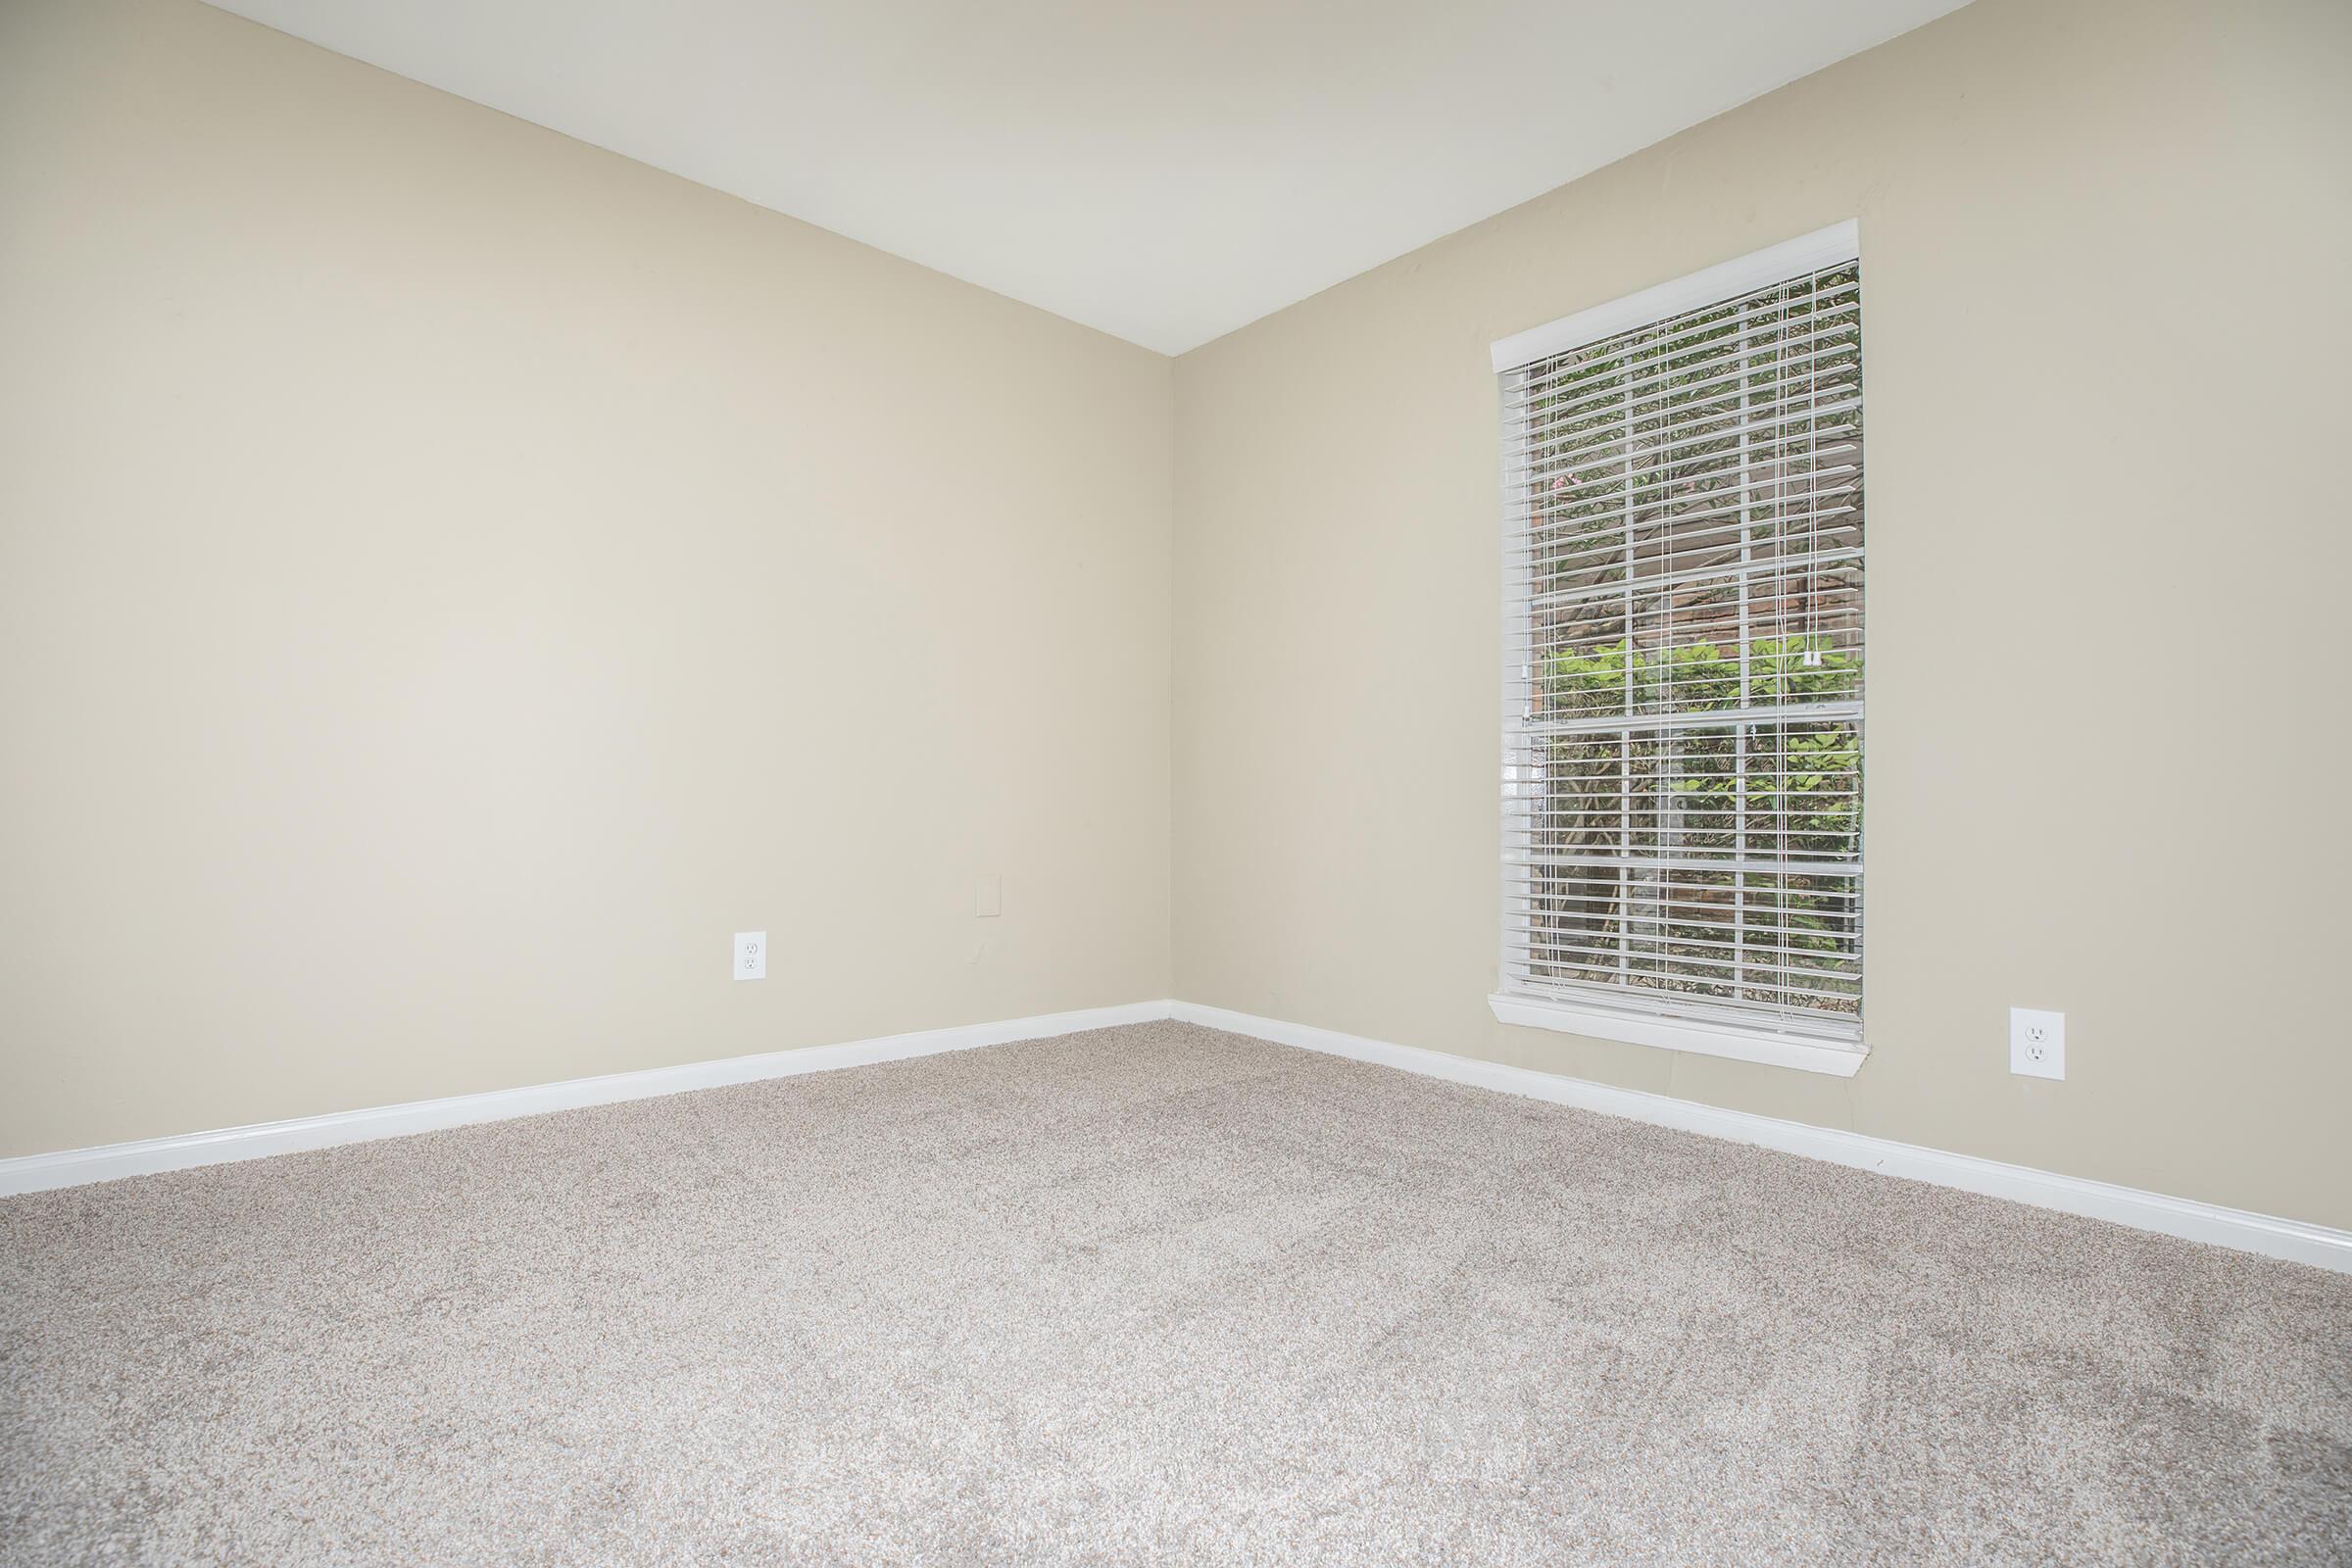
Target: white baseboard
(2301, 1242)
(32, 1173)
(2316, 1245)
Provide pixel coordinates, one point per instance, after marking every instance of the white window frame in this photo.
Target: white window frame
(1824, 248)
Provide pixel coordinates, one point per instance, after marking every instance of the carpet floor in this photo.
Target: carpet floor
(1147, 1295)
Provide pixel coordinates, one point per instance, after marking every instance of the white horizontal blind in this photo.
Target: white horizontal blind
(1683, 668)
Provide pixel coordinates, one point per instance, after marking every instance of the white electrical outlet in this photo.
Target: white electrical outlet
(2037, 1043)
(750, 955)
(988, 897)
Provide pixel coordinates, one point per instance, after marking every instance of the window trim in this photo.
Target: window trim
(1824, 247)
(1679, 1034)
(1709, 285)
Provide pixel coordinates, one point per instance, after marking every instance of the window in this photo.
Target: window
(1682, 670)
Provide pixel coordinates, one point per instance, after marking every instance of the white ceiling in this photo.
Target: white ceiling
(1164, 169)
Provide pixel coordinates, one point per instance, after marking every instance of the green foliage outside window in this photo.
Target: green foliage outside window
(1691, 792)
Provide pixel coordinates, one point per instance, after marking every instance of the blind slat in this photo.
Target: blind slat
(1683, 683)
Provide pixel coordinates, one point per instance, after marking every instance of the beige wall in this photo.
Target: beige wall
(451, 578)
(2106, 334)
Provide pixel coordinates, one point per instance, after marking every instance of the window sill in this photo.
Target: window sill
(1740, 1045)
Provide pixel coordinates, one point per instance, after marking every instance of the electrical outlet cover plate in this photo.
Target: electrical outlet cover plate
(750, 955)
(2037, 1043)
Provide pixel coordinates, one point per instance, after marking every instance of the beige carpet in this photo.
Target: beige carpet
(1148, 1295)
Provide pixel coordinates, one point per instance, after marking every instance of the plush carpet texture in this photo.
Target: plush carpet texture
(1148, 1295)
